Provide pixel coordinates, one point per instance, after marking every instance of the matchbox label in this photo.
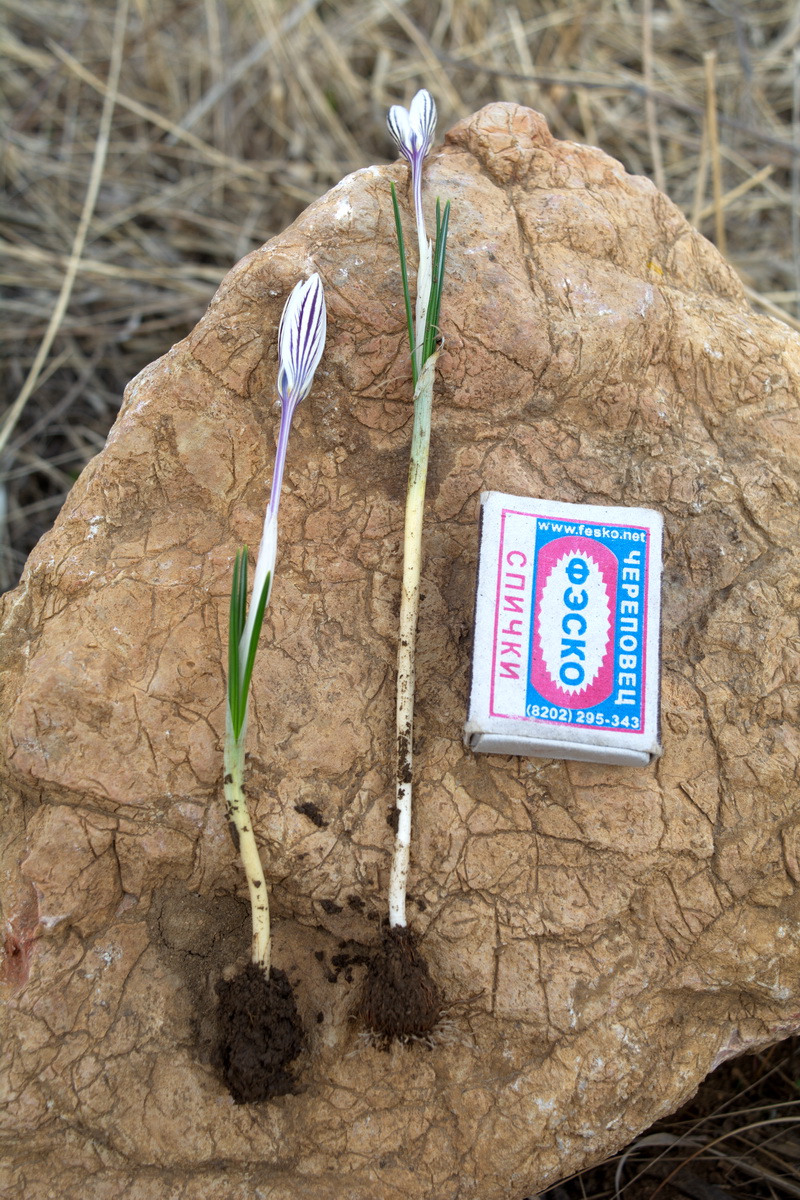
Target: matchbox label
(574, 590)
(570, 627)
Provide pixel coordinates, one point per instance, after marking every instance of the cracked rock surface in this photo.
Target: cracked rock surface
(603, 936)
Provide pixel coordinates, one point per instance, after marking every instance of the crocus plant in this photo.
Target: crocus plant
(400, 999)
(301, 340)
(413, 130)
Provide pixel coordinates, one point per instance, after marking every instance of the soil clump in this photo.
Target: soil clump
(260, 1034)
(399, 999)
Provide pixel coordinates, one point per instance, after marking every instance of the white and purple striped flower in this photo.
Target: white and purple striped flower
(301, 341)
(413, 129)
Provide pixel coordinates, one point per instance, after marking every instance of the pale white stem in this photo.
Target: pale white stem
(409, 612)
(424, 274)
(242, 832)
(425, 268)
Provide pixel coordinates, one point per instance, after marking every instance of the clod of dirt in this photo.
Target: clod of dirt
(310, 810)
(399, 999)
(260, 1034)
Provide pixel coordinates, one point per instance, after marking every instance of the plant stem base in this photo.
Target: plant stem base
(260, 1034)
(399, 999)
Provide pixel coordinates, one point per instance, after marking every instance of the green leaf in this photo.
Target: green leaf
(437, 281)
(239, 680)
(404, 272)
(250, 657)
(235, 627)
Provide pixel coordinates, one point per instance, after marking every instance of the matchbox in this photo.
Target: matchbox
(566, 653)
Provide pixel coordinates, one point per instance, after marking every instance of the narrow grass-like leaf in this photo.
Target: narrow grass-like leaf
(235, 626)
(439, 252)
(234, 634)
(250, 657)
(404, 272)
(437, 282)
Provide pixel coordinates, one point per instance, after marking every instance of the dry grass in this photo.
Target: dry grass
(151, 143)
(738, 1139)
(123, 205)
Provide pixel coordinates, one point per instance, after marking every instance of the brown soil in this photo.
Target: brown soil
(399, 999)
(260, 1034)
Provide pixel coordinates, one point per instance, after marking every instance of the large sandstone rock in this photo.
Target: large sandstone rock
(604, 936)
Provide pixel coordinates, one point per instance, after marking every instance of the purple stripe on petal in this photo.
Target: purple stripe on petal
(301, 340)
(413, 129)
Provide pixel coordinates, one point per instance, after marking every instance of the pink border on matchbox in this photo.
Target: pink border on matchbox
(515, 512)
